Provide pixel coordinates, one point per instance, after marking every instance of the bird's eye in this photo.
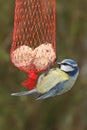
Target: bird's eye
(64, 64)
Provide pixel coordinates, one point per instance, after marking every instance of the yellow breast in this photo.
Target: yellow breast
(54, 77)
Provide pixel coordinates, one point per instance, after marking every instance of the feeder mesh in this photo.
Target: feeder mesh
(34, 36)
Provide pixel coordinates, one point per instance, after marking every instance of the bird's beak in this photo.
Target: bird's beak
(59, 63)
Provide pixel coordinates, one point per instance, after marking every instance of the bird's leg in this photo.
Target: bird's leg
(48, 68)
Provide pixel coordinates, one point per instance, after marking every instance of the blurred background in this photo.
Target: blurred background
(65, 112)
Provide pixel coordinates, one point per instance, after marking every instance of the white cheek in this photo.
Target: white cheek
(66, 68)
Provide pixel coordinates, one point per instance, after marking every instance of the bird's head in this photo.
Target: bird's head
(70, 67)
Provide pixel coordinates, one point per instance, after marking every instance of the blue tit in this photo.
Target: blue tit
(56, 81)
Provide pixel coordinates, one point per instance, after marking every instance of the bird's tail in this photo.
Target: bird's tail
(33, 91)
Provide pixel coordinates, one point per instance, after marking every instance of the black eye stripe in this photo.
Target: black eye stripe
(65, 64)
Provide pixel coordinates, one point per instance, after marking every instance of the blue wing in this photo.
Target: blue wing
(53, 92)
